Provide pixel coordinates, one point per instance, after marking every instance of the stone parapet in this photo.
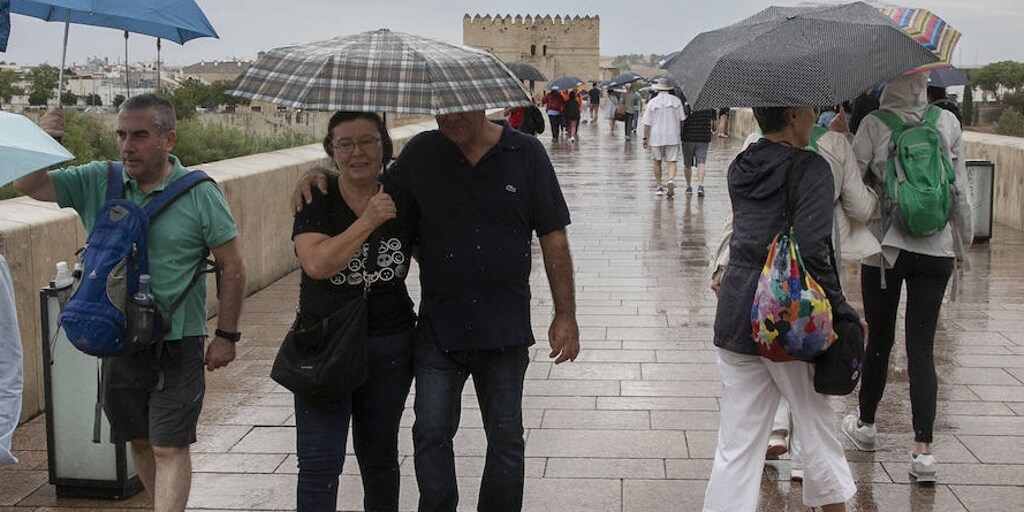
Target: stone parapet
(35, 235)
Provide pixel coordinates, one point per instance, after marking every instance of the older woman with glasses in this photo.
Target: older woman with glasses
(759, 179)
(356, 233)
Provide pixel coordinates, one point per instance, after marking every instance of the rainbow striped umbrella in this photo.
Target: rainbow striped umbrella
(928, 29)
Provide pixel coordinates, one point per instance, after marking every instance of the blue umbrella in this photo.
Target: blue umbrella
(176, 20)
(947, 77)
(564, 83)
(25, 148)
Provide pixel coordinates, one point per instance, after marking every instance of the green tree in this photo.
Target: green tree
(8, 87)
(42, 84)
(968, 110)
(68, 98)
(1011, 122)
(93, 100)
(221, 97)
(1015, 100)
(118, 100)
(996, 77)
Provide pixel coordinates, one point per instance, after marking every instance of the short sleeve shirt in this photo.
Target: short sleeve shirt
(384, 257)
(476, 226)
(664, 114)
(178, 237)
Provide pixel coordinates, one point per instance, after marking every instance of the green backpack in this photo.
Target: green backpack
(919, 173)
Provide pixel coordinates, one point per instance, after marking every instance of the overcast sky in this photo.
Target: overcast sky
(991, 28)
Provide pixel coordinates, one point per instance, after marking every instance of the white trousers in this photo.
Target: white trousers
(784, 421)
(752, 387)
(10, 365)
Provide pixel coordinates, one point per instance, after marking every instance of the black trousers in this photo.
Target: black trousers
(556, 122)
(926, 278)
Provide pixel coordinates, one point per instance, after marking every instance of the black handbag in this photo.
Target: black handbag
(837, 371)
(327, 361)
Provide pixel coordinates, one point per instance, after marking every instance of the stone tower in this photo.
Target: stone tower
(556, 46)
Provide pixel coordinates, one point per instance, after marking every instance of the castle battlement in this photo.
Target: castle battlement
(529, 19)
(556, 45)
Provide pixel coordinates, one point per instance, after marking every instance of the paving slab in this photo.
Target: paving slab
(632, 425)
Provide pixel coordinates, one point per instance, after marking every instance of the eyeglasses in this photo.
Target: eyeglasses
(346, 147)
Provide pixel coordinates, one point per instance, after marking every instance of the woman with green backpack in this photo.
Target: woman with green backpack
(912, 155)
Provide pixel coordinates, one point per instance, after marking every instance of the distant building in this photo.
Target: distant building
(556, 46)
(209, 72)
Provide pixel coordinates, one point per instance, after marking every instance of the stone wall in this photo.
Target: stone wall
(35, 235)
(1006, 152)
(556, 46)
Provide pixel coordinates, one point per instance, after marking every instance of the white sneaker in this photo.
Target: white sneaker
(776, 445)
(671, 191)
(922, 467)
(862, 436)
(572, 139)
(660, 190)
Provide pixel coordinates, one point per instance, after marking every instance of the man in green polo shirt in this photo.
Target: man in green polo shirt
(159, 415)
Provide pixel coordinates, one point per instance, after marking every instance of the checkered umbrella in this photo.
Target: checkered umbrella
(382, 71)
(789, 56)
(926, 28)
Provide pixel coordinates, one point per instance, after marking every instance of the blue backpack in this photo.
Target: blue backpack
(114, 256)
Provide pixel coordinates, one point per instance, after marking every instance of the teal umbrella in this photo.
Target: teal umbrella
(25, 148)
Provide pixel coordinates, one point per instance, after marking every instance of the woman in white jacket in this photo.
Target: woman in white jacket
(925, 264)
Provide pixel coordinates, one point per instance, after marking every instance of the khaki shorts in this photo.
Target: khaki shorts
(666, 153)
(138, 410)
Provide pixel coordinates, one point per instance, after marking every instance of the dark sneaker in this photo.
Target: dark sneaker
(700, 190)
(670, 190)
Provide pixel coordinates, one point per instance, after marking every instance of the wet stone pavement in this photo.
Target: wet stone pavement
(631, 426)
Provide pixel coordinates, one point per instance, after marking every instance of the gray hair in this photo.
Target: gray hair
(162, 107)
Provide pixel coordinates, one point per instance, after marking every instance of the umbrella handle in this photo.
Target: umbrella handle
(63, 59)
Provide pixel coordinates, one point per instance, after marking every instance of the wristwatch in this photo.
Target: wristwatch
(233, 337)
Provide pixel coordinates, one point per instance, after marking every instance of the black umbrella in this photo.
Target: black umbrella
(947, 77)
(564, 83)
(524, 71)
(622, 79)
(786, 56)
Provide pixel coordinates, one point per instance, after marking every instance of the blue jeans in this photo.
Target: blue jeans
(375, 409)
(498, 377)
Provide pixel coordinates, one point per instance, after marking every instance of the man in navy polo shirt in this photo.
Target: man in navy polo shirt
(482, 190)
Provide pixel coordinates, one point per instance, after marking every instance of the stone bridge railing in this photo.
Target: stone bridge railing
(35, 235)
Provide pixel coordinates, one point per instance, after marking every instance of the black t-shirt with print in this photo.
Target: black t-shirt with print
(387, 253)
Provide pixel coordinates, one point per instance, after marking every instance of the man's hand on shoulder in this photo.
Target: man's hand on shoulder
(303, 193)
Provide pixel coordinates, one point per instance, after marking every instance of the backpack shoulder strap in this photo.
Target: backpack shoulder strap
(890, 119)
(115, 180)
(175, 190)
(931, 116)
(816, 133)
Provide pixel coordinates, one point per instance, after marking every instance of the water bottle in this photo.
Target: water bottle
(143, 314)
(62, 282)
(63, 278)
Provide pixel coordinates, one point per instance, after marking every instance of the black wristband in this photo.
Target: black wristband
(233, 337)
